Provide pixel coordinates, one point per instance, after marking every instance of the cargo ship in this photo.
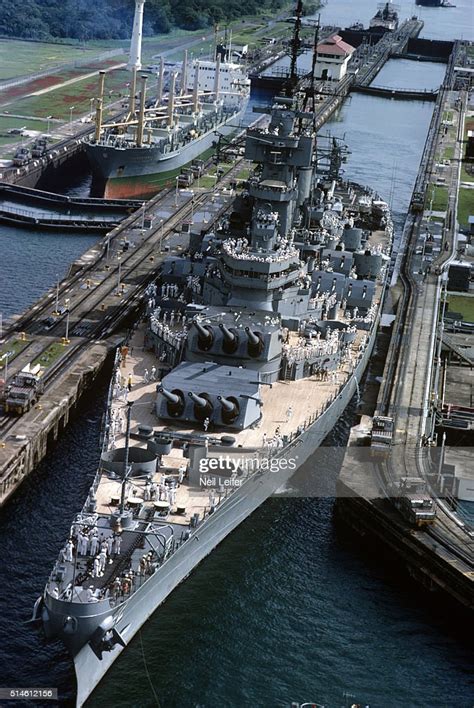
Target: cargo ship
(252, 343)
(137, 155)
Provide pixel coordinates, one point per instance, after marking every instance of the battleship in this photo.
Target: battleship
(138, 154)
(253, 342)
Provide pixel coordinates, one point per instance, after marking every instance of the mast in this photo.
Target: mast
(295, 45)
(159, 90)
(171, 99)
(133, 92)
(184, 73)
(196, 88)
(99, 107)
(141, 115)
(126, 470)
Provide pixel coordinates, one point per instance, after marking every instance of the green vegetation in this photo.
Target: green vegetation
(244, 174)
(449, 152)
(58, 101)
(112, 19)
(7, 124)
(447, 115)
(12, 348)
(22, 58)
(462, 304)
(440, 198)
(467, 176)
(465, 204)
(50, 356)
(209, 179)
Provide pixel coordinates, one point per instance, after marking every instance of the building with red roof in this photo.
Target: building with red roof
(333, 58)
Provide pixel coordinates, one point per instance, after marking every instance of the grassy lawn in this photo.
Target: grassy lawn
(58, 102)
(463, 305)
(244, 174)
(449, 152)
(12, 348)
(50, 356)
(19, 58)
(440, 198)
(7, 124)
(465, 204)
(448, 115)
(466, 176)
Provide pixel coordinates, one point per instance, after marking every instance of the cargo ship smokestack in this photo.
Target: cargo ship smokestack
(135, 59)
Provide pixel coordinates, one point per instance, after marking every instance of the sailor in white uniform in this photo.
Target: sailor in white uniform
(102, 560)
(117, 544)
(109, 542)
(94, 545)
(69, 551)
(96, 567)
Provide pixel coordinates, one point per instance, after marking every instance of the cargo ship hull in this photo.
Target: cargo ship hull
(142, 172)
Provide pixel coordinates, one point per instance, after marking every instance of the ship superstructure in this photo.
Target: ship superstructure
(255, 340)
(386, 17)
(139, 153)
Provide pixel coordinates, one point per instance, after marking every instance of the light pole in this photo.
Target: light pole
(143, 217)
(92, 106)
(48, 118)
(176, 193)
(5, 373)
(162, 222)
(67, 327)
(56, 305)
(119, 275)
(71, 108)
(192, 209)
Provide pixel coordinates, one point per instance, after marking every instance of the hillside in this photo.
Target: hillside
(112, 19)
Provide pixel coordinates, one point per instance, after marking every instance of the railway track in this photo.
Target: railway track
(136, 264)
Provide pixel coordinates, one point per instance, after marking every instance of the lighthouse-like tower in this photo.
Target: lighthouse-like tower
(135, 59)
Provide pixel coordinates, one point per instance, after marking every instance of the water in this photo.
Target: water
(440, 23)
(286, 609)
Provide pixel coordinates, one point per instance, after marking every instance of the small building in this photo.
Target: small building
(333, 58)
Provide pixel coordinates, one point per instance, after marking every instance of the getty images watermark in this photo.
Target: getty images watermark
(231, 471)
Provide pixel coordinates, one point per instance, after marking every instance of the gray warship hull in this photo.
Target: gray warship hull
(232, 512)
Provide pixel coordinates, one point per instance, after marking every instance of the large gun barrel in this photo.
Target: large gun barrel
(170, 397)
(198, 400)
(228, 406)
(253, 339)
(228, 335)
(203, 332)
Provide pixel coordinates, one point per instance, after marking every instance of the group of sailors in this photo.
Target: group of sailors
(238, 248)
(164, 331)
(86, 541)
(311, 349)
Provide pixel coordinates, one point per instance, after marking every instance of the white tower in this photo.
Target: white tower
(135, 59)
